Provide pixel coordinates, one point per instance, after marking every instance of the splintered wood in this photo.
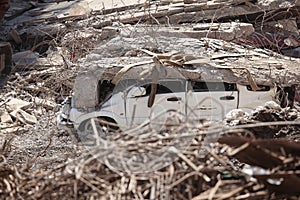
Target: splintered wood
(246, 156)
(185, 166)
(234, 164)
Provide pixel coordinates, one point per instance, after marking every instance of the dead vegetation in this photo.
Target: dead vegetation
(238, 165)
(254, 156)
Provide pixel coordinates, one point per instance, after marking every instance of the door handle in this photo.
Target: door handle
(206, 108)
(227, 98)
(174, 99)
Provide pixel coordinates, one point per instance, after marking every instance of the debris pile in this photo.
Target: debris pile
(32, 91)
(285, 121)
(272, 162)
(17, 111)
(256, 155)
(235, 166)
(41, 21)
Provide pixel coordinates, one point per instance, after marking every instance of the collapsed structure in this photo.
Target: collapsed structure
(205, 60)
(72, 29)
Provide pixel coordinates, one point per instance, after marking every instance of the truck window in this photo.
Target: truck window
(213, 86)
(165, 87)
(263, 88)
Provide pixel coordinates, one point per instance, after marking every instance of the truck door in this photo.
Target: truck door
(211, 100)
(169, 96)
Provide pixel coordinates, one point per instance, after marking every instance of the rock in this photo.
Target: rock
(17, 8)
(55, 58)
(224, 31)
(272, 105)
(88, 97)
(25, 58)
(16, 104)
(30, 119)
(109, 32)
(80, 9)
(292, 115)
(31, 60)
(283, 26)
(235, 114)
(235, 117)
(291, 52)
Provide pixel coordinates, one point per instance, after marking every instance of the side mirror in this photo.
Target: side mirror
(136, 92)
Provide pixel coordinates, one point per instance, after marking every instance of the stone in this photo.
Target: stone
(109, 32)
(283, 26)
(272, 105)
(15, 36)
(80, 9)
(25, 58)
(235, 114)
(224, 31)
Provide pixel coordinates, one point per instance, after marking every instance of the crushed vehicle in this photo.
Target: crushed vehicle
(196, 87)
(133, 105)
(131, 101)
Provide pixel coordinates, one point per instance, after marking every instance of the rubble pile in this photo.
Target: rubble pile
(253, 156)
(271, 112)
(235, 166)
(20, 111)
(271, 162)
(31, 92)
(272, 24)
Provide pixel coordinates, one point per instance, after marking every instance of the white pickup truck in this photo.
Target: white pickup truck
(132, 102)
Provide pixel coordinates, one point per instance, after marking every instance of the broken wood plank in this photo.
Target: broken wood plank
(224, 31)
(5, 117)
(44, 103)
(15, 104)
(15, 36)
(23, 116)
(10, 130)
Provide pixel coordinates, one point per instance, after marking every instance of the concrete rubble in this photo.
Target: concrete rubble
(100, 14)
(51, 48)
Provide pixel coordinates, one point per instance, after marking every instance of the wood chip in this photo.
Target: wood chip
(15, 104)
(24, 117)
(45, 103)
(6, 118)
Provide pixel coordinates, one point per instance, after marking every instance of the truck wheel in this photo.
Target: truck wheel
(103, 126)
